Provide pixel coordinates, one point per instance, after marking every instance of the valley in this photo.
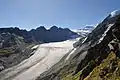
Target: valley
(45, 56)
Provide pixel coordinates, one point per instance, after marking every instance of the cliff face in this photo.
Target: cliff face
(13, 49)
(91, 54)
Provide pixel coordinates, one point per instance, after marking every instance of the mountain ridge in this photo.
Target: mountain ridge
(91, 52)
(41, 34)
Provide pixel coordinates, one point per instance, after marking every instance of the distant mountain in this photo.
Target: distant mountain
(19, 32)
(54, 34)
(84, 31)
(41, 34)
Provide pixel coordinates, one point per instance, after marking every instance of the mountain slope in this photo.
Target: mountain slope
(13, 49)
(107, 70)
(90, 52)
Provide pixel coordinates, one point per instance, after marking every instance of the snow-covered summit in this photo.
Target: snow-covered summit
(115, 13)
(85, 30)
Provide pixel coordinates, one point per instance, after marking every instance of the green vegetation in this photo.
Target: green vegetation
(67, 73)
(5, 51)
(72, 77)
(109, 69)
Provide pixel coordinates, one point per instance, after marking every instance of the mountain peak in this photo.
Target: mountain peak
(41, 28)
(115, 13)
(54, 28)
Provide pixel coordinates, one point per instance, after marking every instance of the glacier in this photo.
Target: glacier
(44, 58)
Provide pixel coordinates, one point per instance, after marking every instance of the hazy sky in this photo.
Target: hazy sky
(62, 13)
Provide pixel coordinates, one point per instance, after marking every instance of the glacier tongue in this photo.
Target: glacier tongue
(44, 58)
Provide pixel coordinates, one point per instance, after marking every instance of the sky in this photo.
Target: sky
(73, 14)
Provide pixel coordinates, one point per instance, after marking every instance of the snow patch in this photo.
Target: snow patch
(70, 53)
(85, 30)
(115, 13)
(109, 26)
(35, 47)
(84, 40)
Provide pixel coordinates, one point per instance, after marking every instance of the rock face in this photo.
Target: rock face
(41, 34)
(22, 33)
(13, 49)
(54, 34)
(89, 53)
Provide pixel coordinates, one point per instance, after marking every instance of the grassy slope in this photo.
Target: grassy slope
(72, 77)
(5, 51)
(109, 69)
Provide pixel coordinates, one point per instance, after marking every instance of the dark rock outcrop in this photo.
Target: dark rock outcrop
(13, 47)
(54, 34)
